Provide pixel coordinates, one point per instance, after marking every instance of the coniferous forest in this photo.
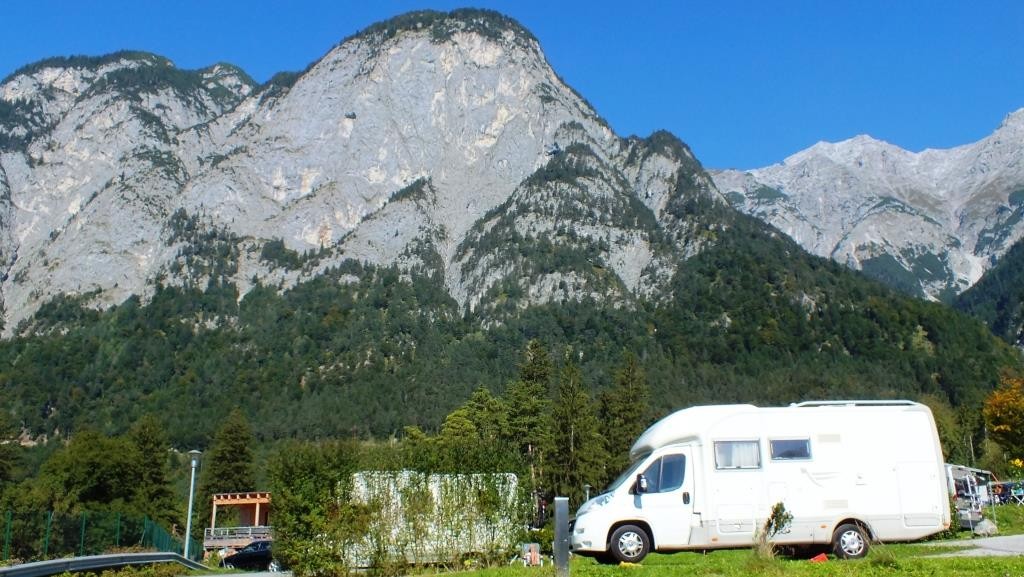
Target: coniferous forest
(998, 298)
(364, 352)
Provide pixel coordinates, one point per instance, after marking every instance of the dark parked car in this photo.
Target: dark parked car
(255, 556)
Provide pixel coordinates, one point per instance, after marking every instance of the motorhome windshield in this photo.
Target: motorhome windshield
(629, 473)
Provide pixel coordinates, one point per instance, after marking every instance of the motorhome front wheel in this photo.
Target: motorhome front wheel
(630, 544)
(849, 542)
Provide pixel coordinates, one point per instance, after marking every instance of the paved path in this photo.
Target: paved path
(985, 546)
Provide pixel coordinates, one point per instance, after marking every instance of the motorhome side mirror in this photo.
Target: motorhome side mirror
(641, 484)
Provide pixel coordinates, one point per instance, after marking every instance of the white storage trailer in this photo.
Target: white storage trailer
(707, 477)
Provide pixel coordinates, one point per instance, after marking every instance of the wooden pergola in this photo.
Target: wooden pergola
(253, 520)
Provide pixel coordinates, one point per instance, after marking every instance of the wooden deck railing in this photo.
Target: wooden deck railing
(231, 535)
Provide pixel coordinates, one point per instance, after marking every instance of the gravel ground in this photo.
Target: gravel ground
(985, 546)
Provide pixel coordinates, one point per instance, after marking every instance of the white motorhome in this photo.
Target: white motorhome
(849, 472)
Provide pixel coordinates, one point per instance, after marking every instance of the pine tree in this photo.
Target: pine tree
(458, 427)
(154, 496)
(528, 401)
(489, 415)
(578, 453)
(227, 467)
(473, 438)
(529, 410)
(624, 413)
(537, 366)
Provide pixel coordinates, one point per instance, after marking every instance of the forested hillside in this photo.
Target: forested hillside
(998, 298)
(365, 351)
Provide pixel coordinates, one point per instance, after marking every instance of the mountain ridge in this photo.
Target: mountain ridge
(929, 222)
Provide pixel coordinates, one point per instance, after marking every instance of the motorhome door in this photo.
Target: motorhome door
(668, 503)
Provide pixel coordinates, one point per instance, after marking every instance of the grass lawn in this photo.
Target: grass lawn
(909, 559)
(904, 559)
(1009, 518)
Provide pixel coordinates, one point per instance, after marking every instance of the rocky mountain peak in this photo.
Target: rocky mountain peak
(444, 26)
(853, 151)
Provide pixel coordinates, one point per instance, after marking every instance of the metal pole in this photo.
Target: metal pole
(191, 496)
(81, 537)
(561, 544)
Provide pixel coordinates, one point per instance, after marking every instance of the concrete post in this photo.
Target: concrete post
(561, 544)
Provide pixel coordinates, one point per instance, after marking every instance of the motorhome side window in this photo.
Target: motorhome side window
(786, 449)
(737, 455)
(665, 474)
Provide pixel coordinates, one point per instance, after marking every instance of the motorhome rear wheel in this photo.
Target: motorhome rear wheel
(850, 542)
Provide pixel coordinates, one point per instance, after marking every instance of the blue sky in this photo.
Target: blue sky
(744, 83)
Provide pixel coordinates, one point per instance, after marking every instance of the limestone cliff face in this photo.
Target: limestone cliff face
(930, 223)
(443, 142)
(8, 249)
(94, 173)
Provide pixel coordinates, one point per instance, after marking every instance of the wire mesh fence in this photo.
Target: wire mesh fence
(38, 536)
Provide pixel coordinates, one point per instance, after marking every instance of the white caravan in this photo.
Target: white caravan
(707, 477)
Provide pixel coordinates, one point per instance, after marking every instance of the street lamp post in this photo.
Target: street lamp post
(194, 454)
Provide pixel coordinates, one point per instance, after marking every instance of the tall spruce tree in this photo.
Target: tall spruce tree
(578, 454)
(155, 495)
(537, 366)
(227, 467)
(624, 413)
(528, 400)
